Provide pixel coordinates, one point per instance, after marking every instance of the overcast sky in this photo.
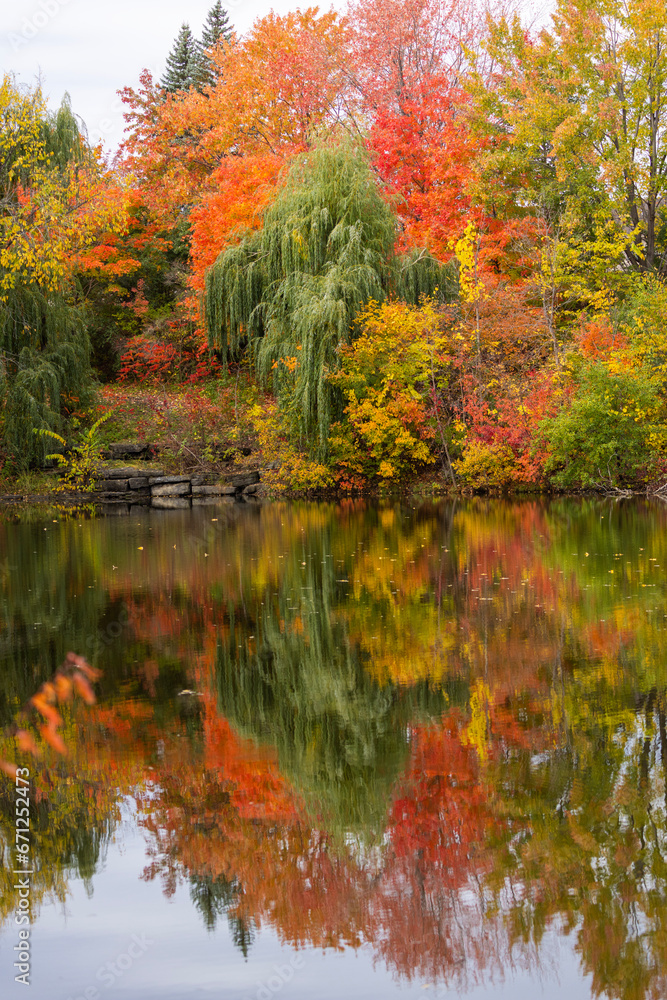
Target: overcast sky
(92, 48)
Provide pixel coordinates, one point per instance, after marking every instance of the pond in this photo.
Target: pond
(346, 750)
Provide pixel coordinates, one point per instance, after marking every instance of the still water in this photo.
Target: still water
(350, 751)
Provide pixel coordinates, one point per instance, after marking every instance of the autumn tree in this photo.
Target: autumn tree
(577, 117)
(209, 161)
(290, 291)
(409, 63)
(277, 89)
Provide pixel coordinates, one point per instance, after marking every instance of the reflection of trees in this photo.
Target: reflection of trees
(442, 731)
(46, 608)
(594, 852)
(214, 897)
(428, 913)
(74, 810)
(338, 735)
(291, 674)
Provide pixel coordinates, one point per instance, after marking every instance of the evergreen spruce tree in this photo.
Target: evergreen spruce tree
(290, 292)
(182, 62)
(217, 28)
(217, 31)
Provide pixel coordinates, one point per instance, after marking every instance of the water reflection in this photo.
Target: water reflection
(437, 732)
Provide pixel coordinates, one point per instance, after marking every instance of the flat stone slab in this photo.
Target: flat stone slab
(138, 483)
(211, 480)
(159, 479)
(126, 472)
(171, 503)
(128, 448)
(212, 491)
(114, 486)
(171, 490)
(245, 479)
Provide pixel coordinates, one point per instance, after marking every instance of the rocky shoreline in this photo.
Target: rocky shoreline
(145, 484)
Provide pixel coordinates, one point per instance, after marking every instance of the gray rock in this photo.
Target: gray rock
(251, 489)
(159, 479)
(122, 448)
(126, 472)
(245, 479)
(113, 486)
(139, 483)
(171, 503)
(203, 480)
(171, 490)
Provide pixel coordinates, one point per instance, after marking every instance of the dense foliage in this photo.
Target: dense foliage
(433, 155)
(52, 206)
(289, 293)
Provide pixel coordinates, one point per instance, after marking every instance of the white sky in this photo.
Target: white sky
(92, 48)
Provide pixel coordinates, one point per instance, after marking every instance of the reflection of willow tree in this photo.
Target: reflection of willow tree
(300, 684)
(39, 617)
(336, 731)
(48, 604)
(53, 598)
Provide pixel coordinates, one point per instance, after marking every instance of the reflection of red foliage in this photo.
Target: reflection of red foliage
(256, 787)
(442, 812)
(426, 913)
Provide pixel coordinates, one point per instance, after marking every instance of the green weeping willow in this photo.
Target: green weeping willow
(44, 346)
(289, 293)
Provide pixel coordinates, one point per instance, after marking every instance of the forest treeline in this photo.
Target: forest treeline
(432, 236)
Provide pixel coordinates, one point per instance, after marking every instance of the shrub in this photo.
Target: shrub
(80, 463)
(610, 432)
(387, 377)
(152, 361)
(486, 466)
(294, 471)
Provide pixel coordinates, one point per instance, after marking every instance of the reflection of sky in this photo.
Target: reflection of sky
(71, 943)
